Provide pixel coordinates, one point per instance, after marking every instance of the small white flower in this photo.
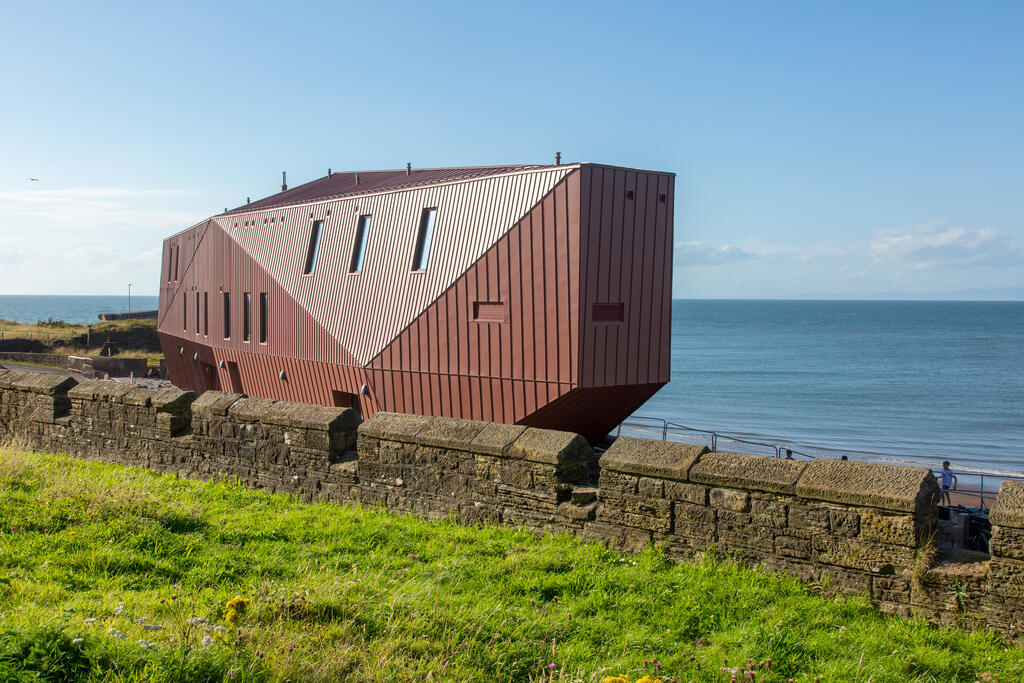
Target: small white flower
(76, 641)
(117, 634)
(219, 629)
(152, 627)
(207, 640)
(197, 621)
(89, 620)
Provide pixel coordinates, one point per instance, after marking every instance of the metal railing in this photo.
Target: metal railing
(984, 485)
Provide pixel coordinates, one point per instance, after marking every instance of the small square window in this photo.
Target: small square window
(662, 198)
(629, 195)
(609, 313)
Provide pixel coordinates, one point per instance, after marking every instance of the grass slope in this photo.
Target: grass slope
(112, 573)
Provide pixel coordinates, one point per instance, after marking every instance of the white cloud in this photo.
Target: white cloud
(699, 253)
(935, 245)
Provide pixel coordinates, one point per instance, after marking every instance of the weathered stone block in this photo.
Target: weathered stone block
(889, 487)
(651, 488)
(770, 513)
(514, 474)
(1006, 577)
(449, 433)
(393, 426)
(730, 499)
(857, 553)
(808, 516)
(614, 481)
(1008, 510)
(646, 457)
(793, 546)
(688, 493)
(749, 472)
(495, 439)
(550, 446)
(896, 529)
(843, 522)
(214, 403)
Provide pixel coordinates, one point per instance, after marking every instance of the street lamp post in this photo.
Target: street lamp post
(130, 300)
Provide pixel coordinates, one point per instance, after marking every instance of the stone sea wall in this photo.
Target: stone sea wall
(846, 527)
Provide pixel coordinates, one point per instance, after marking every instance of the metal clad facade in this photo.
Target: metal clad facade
(499, 326)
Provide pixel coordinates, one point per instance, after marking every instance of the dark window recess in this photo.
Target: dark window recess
(177, 253)
(170, 262)
(629, 194)
(423, 239)
(246, 316)
(359, 248)
(489, 311)
(235, 377)
(263, 318)
(197, 312)
(227, 315)
(184, 312)
(607, 313)
(314, 247)
(206, 313)
(662, 198)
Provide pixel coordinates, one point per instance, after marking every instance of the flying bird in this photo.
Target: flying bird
(35, 180)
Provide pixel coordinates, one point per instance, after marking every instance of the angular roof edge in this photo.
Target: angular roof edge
(358, 183)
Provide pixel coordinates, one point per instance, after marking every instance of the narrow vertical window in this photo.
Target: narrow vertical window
(206, 313)
(170, 262)
(197, 312)
(184, 312)
(246, 316)
(227, 315)
(176, 254)
(314, 247)
(423, 237)
(263, 317)
(359, 248)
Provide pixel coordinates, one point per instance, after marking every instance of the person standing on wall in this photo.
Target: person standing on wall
(948, 478)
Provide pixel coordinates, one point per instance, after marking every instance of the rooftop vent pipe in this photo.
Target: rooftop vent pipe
(357, 177)
(408, 168)
(328, 173)
(247, 200)
(558, 158)
(284, 181)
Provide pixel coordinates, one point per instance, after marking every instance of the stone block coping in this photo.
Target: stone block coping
(890, 487)
(753, 472)
(1008, 510)
(649, 458)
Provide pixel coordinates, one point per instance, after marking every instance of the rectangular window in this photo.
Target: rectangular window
(246, 316)
(206, 313)
(197, 312)
(607, 313)
(227, 315)
(177, 253)
(489, 311)
(184, 312)
(263, 317)
(170, 262)
(426, 232)
(314, 247)
(359, 248)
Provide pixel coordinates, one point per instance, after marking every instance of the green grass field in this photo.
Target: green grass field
(110, 573)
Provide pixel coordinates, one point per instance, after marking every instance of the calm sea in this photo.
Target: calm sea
(70, 309)
(915, 381)
(910, 380)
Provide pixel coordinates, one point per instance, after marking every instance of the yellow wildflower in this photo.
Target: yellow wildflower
(237, 604)
(621, 678)
(648, 679)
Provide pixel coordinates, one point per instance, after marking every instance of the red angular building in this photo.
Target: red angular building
(536, 295)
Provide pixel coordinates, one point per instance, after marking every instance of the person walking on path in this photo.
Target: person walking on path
(948, 479)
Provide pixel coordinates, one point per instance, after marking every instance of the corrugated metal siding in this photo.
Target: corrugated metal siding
(497, 370)
(626, 253)
(366, 311)
(547, 244)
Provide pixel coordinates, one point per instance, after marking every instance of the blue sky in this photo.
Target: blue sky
(829, 149)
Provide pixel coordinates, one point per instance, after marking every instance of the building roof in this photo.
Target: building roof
(344, 184)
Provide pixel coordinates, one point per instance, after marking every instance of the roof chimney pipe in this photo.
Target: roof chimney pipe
(558, 158)
(357, 177)
(247, 200)
(328, 173)
(408, 168)
(284, 181)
